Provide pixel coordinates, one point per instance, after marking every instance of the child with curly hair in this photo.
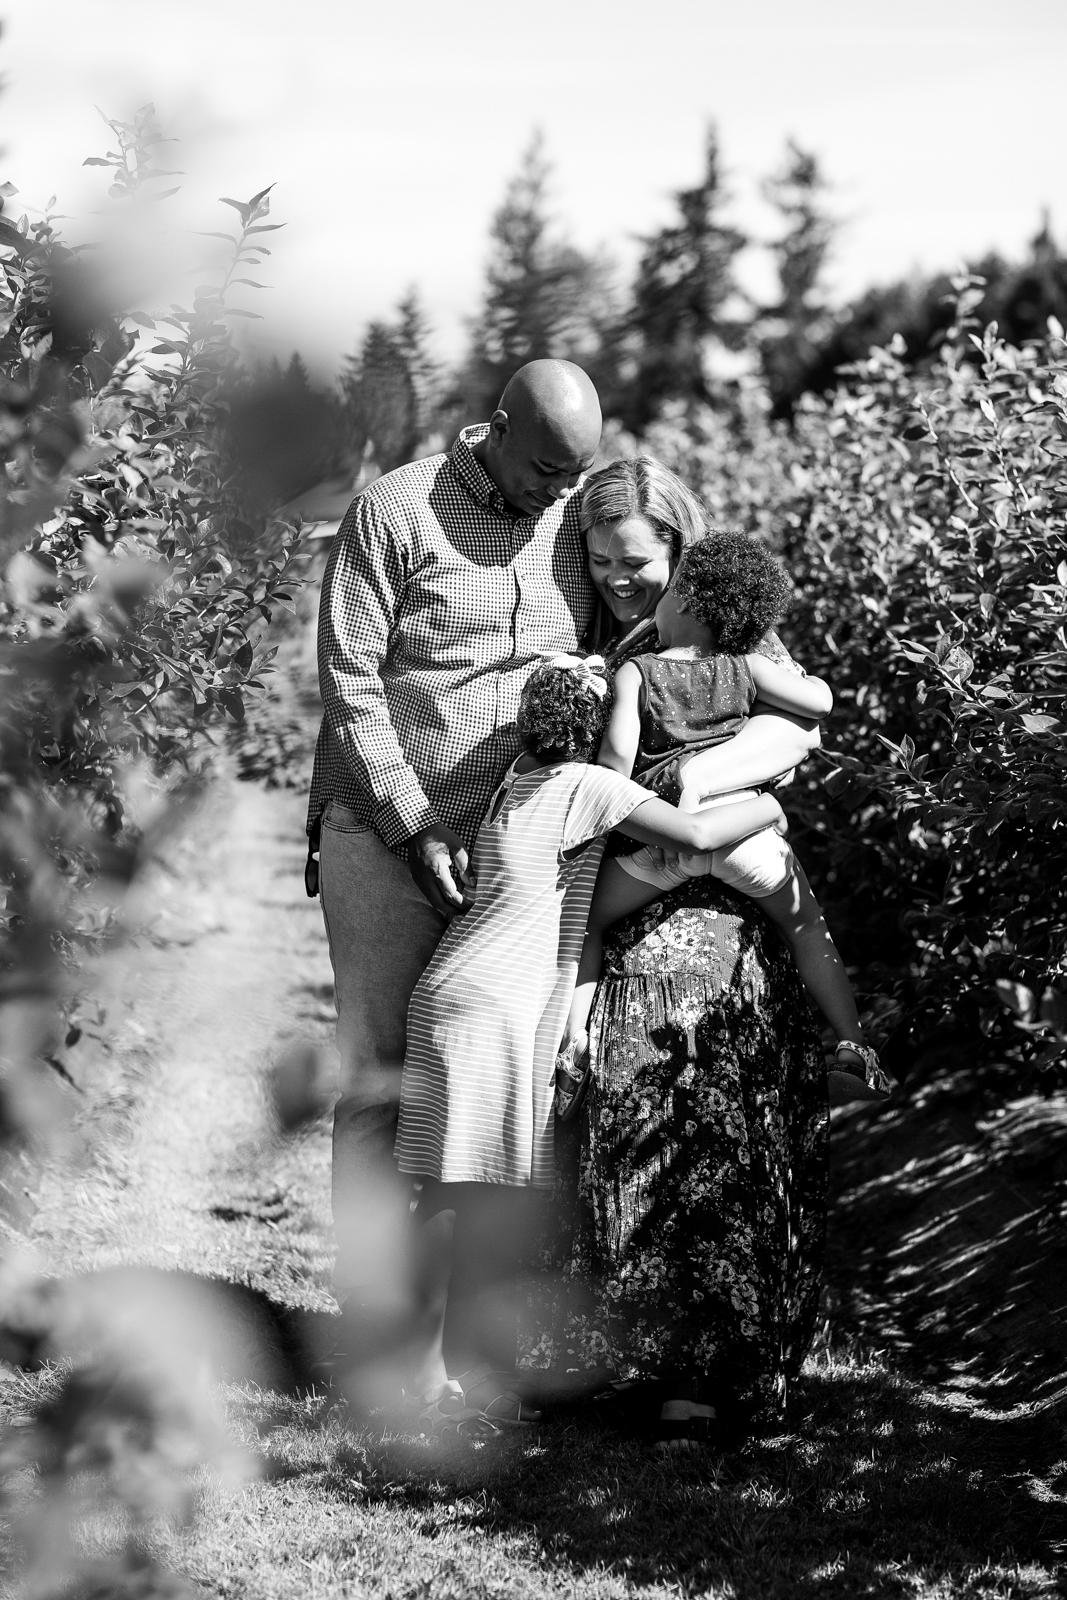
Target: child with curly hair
(487, 1016)
(696, 692)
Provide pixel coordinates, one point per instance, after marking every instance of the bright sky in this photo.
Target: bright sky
(391, 128)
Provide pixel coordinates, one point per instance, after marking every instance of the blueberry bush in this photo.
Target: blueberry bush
(922, 515)
(135, 587)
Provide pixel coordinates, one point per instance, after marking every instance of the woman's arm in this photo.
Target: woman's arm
(618, 748)
(769, 745)
(656, 822)
(784, 690)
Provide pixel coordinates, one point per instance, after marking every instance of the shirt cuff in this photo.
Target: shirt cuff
(399, 817)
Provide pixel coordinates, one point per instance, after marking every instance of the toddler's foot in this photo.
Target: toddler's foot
(572, 1076)
(858, 1075)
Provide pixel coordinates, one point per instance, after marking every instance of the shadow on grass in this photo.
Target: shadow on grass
(881, 1487)
(879, 1490)
(946, 1244)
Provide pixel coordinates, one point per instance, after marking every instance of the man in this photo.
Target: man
(448, 581)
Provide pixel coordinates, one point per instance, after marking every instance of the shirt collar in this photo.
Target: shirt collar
(470, 472)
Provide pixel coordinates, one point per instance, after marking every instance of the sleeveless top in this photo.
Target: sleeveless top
(687, 705)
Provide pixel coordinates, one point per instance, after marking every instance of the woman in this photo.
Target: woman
(699, 1192)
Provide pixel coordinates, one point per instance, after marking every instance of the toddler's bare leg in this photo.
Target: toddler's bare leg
(798, 917)
(615, 896)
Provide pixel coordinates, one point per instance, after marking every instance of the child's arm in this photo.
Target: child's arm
(618, 748)
(656, 822)
(783, 690)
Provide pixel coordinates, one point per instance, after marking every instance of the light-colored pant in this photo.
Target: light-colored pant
(757, 866)
(382, 933)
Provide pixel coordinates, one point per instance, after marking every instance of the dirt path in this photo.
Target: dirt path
(201, 1182)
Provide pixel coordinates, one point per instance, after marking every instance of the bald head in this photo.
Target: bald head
(543, 435)
(554, 394)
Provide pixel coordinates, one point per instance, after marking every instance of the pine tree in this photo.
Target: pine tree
(685, 298)
(413, 339)
(543, 296)
(789, 332)
(380, 397)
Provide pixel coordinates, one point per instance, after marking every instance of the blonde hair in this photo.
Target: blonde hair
(644, 487)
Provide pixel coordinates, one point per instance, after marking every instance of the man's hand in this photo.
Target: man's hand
(438, 864)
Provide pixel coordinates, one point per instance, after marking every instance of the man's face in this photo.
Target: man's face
(537, 463)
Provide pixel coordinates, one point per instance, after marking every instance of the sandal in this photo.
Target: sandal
(573, 1070)
(683, 1425)
(863, 1080)
(495, 1397)
(446, 1415)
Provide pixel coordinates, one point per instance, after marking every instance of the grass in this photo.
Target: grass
(926, 1457)
(882, 1489)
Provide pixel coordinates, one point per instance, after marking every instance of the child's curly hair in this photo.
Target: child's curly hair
(734, 586)
(564, 709)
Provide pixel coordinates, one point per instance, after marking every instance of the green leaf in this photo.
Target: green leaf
(238, 205)
(1016, 996)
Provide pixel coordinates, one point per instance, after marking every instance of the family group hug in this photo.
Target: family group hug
(581, 978)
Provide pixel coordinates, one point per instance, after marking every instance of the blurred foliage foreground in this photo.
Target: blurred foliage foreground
(135, 583)
(138, 573)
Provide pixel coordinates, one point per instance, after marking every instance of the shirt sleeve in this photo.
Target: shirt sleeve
(361, 590)
(601, 800)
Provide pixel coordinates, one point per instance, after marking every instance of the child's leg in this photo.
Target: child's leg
(798, 917)
(617, 893)
(433, 1225)
(495, 1226)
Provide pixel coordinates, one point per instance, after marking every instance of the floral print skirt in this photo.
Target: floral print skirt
(693, 1191)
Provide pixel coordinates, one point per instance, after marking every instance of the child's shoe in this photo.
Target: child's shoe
(572, 1076)
(858, 1075)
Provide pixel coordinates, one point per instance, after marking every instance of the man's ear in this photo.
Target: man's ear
(499, 426)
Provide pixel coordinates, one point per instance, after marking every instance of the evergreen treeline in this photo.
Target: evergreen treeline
(683, 331)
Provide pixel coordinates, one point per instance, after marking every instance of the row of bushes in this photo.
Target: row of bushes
(923, 518)
(134, 588)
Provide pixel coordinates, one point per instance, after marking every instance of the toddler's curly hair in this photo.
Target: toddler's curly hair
(563, 714)
(734, 586)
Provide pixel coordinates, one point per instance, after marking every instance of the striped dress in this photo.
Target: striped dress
(488, 1014)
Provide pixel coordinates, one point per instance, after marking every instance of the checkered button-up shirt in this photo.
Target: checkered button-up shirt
(437, 603)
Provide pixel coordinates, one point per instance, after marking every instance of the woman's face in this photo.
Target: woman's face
(630, 565)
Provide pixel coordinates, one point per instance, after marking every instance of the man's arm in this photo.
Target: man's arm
(361, 593)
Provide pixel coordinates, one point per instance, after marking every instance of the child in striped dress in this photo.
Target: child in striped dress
(487, 1016)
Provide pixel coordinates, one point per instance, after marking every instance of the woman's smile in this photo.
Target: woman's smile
(630, 565)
